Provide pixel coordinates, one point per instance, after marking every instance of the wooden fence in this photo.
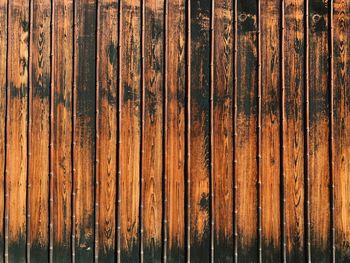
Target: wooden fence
(175, 130)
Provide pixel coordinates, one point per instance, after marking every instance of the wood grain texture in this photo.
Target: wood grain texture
(39, 125)
(3, 52)
(152, 166)
(62, 129)
(107, 107)
(84, 132)
(161, 123)
(341, 23)
(319, 132)
(130, 131)
(223, 132)
(294, 127)
(271, 121)
(17, 117)
(176, 132)
(246, 145)
(200, 131)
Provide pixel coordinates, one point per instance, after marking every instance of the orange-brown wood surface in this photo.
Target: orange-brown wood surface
(3, 50)
(294, 130)
(39, 126)
(319, 171)
(246, 142)
(84, 128)
(174, 131)
(107, 55)
(175, 163)
(271, 125)
(62, 50)
(200, 132)
(130, 130)
(223, 131)
(152, 163)
(341, 23)
(16, 129)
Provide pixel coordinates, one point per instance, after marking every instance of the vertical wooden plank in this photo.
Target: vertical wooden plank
(319, 132)
(222, 131)
(39, 109)
(271, 121)
(16, 150)
(331, 124)
(84, 130)
(294, 125)
(153, 132)
(341, 22)
(176, 131)
(107, 55)
(62, 129)
(3, 53)
(130, 130)
(246, 147)
(200, 131)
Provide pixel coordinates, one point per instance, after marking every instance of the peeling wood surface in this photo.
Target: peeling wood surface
(173, 131)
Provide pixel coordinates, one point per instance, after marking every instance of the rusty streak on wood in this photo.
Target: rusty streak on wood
(7, 99)
(97, 185)
(282, 130)
(3, 76)
(142, 131)
(259, 146)
(211, 112)
(331, 132)
(51, 130)
(165, 215)
(119, 123)
(307, 136)
(235, 111)
(74, 111)
(188, 134)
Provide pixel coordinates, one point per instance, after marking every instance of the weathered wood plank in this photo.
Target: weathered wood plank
(319, 132)
(107, 106)
(293, 129)
(84, 128)
(222, 131)
(246, 146)
(3, 53)
(200, 131)
(17, 98)
(39, 127)
(271, 121)
(341, 23)
(62, 129)
(130, 130)
(153, 130)
(176, 131)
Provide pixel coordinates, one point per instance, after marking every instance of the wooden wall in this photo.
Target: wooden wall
(174, 131)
